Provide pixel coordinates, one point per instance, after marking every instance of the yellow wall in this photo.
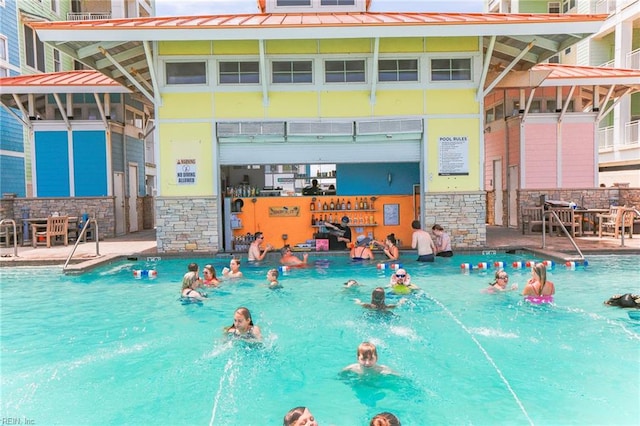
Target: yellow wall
(452, 44)
(393, 45)
(453, 127)
(452, 101)
(289, 47)
(236, 47)
(185, 48)
(399, 102)
(333, 104)
(238, 105)
(186, 141)
(292, 104)
(186, 105)
(358, 45)
(255, 217)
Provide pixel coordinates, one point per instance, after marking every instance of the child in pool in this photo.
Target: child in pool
(233, 271)
(500, 282)
(378, 302)
(368, 361)
(400, 282)
(272, 278)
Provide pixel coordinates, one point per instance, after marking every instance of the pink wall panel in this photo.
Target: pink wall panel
(578, 162)
(540, 156)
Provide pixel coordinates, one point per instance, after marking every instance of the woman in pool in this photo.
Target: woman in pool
(243, 327)
(538, 289)
(209, 274)
(400, 282)
(299, 416)
(378, 301)
(384, 419)
(389, 247)
(233, 271)
(500, 282)
(361, 250)
(190, 283)
(368, 361)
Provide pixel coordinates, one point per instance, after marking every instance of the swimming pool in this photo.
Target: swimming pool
(104, 348)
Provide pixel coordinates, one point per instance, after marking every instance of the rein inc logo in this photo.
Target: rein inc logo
(16, 421)
(186, 171)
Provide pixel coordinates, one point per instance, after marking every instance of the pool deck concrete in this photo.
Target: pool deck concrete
(143, 243)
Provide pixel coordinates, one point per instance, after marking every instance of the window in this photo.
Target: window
(535, 106)
(78, 66)
(567, 5)
(133, 118)
(292, 72)
(55, 6)
(489, 115)
(33, 49)
(499, 112)
(451, 69)
(280, 3)
(344, 71)
(398, 70)
(239, 72)
(4, 57)
(567, 50)
(57, 64)
(553, 7)
(337, 2)
(186, 72)
(555, 59)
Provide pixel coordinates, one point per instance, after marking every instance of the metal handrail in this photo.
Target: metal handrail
(628, 210)
(566, 232)
(82, 233)
(15, 234)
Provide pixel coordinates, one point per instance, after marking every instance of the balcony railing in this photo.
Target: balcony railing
(87, 16)
(633, 60)
(605, 6)
(605, 138)
(632, 133)
(609, 64)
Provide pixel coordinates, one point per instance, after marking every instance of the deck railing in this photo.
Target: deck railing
(633, 59)
(605, 138)
(632, 133)
(87, 16)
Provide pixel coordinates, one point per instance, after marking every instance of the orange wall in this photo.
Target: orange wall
(255, 217)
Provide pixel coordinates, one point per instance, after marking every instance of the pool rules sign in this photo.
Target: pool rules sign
(453, 156)
(186, 171)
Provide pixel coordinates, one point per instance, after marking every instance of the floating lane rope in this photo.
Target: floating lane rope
(394, 266)
(145, 273)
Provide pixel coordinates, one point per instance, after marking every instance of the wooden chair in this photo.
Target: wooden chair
(57, 226)
(610, 224)
(570, 220)
(532, 216)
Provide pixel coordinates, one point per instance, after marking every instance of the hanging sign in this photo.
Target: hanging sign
(453, 156)
(284, 211)
(186, 171)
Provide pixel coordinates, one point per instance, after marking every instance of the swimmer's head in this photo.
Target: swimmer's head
(385, 419)
(351, 283)
(189, 279)
(377, 296)
(299, 416)
(242, 319)
(541, 271)
(273, 274)
(400, 275)
(367, 354)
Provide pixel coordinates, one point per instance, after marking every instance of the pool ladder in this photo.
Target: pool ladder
(15, 234)
(82, 234)
(564, 229)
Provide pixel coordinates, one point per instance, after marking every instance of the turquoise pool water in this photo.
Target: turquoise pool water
(104, 348)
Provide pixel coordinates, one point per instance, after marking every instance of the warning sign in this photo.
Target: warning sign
(186, 171)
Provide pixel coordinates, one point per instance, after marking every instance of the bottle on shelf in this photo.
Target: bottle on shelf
(343, 206)
(361, 204)
(366, 204)
(324, 206)
(313, 219)
(332, 205)
(349, 204)
(312, 206)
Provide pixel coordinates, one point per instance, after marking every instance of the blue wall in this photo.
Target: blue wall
(358, 179)
(52, 164)
(12, 167)
(90, 163)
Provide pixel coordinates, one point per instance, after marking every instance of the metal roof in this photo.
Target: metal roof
(61, 82)
(121, 48)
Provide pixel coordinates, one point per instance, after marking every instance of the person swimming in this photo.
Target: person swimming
(538, 290)
(378, 301)
(500, 282)
(400, 282)
(243, 326)
(626, 300)
(368, 361)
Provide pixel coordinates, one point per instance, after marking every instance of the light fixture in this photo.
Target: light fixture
(389, 178)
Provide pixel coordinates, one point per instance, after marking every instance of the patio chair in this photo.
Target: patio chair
(570, 220)
(611, 223)
(532, 217)
(57, 226)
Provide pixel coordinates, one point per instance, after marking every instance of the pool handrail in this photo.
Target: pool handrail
(15, 235)
(82, 233)
(564, 229)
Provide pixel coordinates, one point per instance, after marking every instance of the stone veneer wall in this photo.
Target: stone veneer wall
(462, 215)
(591, 198)
(102, 208)
(187, 224)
